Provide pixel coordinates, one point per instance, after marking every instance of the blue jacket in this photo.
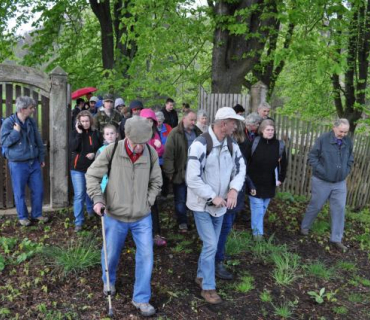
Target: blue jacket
(23, 145)
(329, 162)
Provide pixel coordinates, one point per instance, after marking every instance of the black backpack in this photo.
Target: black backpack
(209, 142)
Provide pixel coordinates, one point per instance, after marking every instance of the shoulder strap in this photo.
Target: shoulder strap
(281, 148)
(255, 144)
(230, 145)
(209, 142)
(111, 158)
(150, 158)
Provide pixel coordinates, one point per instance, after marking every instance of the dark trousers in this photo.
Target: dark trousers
(179, 192)
(155, 219)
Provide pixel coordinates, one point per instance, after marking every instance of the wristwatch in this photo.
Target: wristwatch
(209, 202)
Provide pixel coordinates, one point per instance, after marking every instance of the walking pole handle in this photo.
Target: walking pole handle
(102, 211)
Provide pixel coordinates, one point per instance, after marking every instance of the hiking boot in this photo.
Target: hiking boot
(42, 219)
(159, 241)
(146, 309)
(222, 273)
(25, 222)
(199, 282)
(183, 228)
(211, 296)
(258, 237)
(112, 290)
(304, 232)
(340, 245)
(78, 229)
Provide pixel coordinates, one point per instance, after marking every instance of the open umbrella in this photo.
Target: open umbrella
(82, 91)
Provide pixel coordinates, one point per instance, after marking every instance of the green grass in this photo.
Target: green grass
(319, 270)
(286, 268)
(246, 284)
(340, 310)
(265, 296)
(284, 310)
(347, 266)
(76, 257)
(238, 242)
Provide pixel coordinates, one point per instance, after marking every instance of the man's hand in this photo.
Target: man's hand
(278, 183)
(97, 208)
(90, 156)
(42, 164)
(17, 127)
(219, 202)
(232, 197)
(253, 192)
(157, 143)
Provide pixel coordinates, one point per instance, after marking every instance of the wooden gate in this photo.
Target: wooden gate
(50, 94)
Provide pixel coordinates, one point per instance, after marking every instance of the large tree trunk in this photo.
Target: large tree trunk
(102, 12)
(234, 55)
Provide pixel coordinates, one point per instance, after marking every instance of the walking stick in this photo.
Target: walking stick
(110, 310)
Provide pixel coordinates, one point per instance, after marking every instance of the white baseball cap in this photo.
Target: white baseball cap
(225, 113)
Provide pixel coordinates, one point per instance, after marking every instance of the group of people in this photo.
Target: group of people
(212, 167)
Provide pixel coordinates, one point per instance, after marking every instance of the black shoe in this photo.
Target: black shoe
(222, 273)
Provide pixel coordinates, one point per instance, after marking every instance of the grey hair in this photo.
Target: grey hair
(253, 118)
(264, 124)
(202, 113)
(264, 105)
(159, 115)
(23, 102)
(340, 121)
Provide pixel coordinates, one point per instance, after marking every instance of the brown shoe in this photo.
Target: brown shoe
(211, 296)
(340, 245)
(199, 282)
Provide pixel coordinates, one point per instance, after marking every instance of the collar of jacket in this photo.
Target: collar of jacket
(333, 139)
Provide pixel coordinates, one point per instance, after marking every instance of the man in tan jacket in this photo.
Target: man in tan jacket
(134, 181)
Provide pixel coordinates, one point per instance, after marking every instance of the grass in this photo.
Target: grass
(76, 257)
(286, 268)
(238, 242)
(284, 310)
(347, 266)
(246, 284)
(340, 310)
(319, 270)
(265, 296)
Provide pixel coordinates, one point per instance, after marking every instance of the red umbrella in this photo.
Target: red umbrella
(83, 91)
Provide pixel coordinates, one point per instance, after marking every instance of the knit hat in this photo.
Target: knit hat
(138, 130)
(136, 104)
(119, 102)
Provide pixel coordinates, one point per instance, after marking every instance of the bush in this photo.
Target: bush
(73, 259)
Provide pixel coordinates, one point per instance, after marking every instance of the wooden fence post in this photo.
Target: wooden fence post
(58, 139)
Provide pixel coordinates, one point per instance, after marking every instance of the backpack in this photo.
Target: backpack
(257, 140)
(209, 142)
(5, 149)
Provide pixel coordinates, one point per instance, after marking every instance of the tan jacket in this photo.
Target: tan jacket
(132, 188)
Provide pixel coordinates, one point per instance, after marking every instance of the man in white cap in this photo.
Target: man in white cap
(215, 174)
(134, 182)
(92, 105)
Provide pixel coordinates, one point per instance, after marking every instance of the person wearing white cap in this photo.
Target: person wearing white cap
(215, 174)
(92, 105)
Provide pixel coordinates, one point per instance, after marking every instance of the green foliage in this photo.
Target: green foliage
(27, 249)
(347, 266)
(286, 267)
(319, 270)
(7, 244)
(238, 242)
(284, 310)
(2, 263)
(78, 256)
(340, 310)
(265, 296)
(321, 295)
(246, 284)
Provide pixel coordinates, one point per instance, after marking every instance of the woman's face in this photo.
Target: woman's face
(85, 122)
(203, 121)
(268, 132)
(160, 122)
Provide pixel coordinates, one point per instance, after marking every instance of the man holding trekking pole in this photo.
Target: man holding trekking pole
(134, 181)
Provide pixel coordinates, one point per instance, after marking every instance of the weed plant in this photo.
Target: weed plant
(320, 227)
(265, 296)
(340, 310)
(284, 310)
(347, 266)
(319, 270)
(246, 284)
(286, 267)
(238, 242)
(76, 257)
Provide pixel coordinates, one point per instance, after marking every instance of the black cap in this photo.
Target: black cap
(108, 97)
(136, 104)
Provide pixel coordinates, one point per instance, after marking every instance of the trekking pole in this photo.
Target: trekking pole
(110, 310)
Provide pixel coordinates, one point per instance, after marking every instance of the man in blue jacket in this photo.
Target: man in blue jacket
(23, 147)
(331, 159)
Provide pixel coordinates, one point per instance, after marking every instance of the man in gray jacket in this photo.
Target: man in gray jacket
(331, 159)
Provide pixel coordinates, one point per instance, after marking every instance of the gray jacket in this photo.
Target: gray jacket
(329, 162)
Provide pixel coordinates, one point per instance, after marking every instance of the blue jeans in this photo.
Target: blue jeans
(258, 209)
(22, 174)
(209, 228)
(179, 192)
(116, 232)
(80, 197)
